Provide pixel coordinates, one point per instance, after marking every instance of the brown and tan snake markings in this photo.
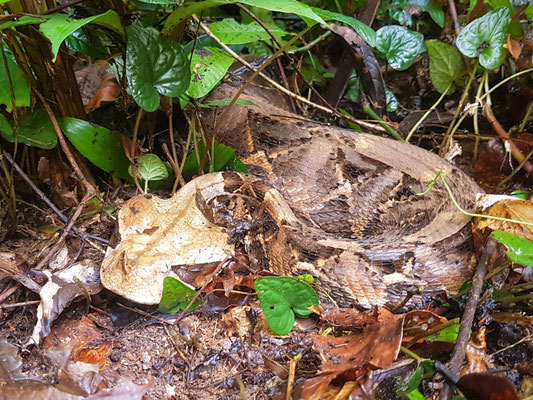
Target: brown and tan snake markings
(337, 204)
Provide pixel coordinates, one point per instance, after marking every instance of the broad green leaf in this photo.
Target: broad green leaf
(366, 32)
(99, 145)
(231, 32)
(24, 20)
(150, 168)
(21, 91)
(176, 296)
(485, 37)
(223, 159)
(282, 297)
(520, 250)
(446, 67)
(59, 26)
(154, 65)
(400, 45)
(208, 67)
(515, 29)
(35, 130)
(189, 8)
(432, 7)
(79, 42)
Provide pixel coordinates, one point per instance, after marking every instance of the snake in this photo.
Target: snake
(352, 209)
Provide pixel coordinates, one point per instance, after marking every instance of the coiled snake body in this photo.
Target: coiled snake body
(333, 203)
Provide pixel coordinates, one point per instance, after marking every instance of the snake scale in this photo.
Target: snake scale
(337, 204)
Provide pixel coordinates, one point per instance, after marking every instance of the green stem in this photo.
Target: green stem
(411, 354)
(368, 110)
(419, 122)
(463, 211)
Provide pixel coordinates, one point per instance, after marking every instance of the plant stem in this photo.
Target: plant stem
(419, 122)
(368, 110)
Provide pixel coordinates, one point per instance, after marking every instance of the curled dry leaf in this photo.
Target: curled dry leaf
(108, 90)
(476, 354)
(504, 207)
(80, 280)
(417, 322)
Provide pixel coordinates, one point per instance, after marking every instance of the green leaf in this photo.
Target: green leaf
(432, 7)
(154, 65)
(208, 67)
(79, 42)
(150, 168)
(448, 334)
(415, 380)
(485, 37)
(24, 20)
(59, 26)
(520, 250)
(223, 158)
(392, 101)
(515, 28)
(366, 32)
(521, 194)
(35, 130)
(21, 91)
(446, 67)
(189, 8)
(99, 145)
(231, 32)
(415, 395)
(176, 296)
(282, 297)
(400, 45)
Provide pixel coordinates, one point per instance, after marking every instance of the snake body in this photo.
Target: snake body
(337, 204)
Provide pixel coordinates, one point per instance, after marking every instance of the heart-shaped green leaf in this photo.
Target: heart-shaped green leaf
(208, 67)
(520, 249)
(176, 296)
(485, 37)
(400, 45)
(35, 130)
(99, 145)
(150, 168)
(154, 65)
(446, 67)
(282, 297)
(20, 87)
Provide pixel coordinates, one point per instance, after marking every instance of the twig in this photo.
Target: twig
(285, 53)
(459, 350)
(432, 331)
(276, 85)
(200, 291)
(85, 237)
(66, 230)
(22, 304)
(64, 146)
(134, 171)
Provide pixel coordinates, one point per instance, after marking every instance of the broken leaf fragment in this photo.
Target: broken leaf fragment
(176, 296)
